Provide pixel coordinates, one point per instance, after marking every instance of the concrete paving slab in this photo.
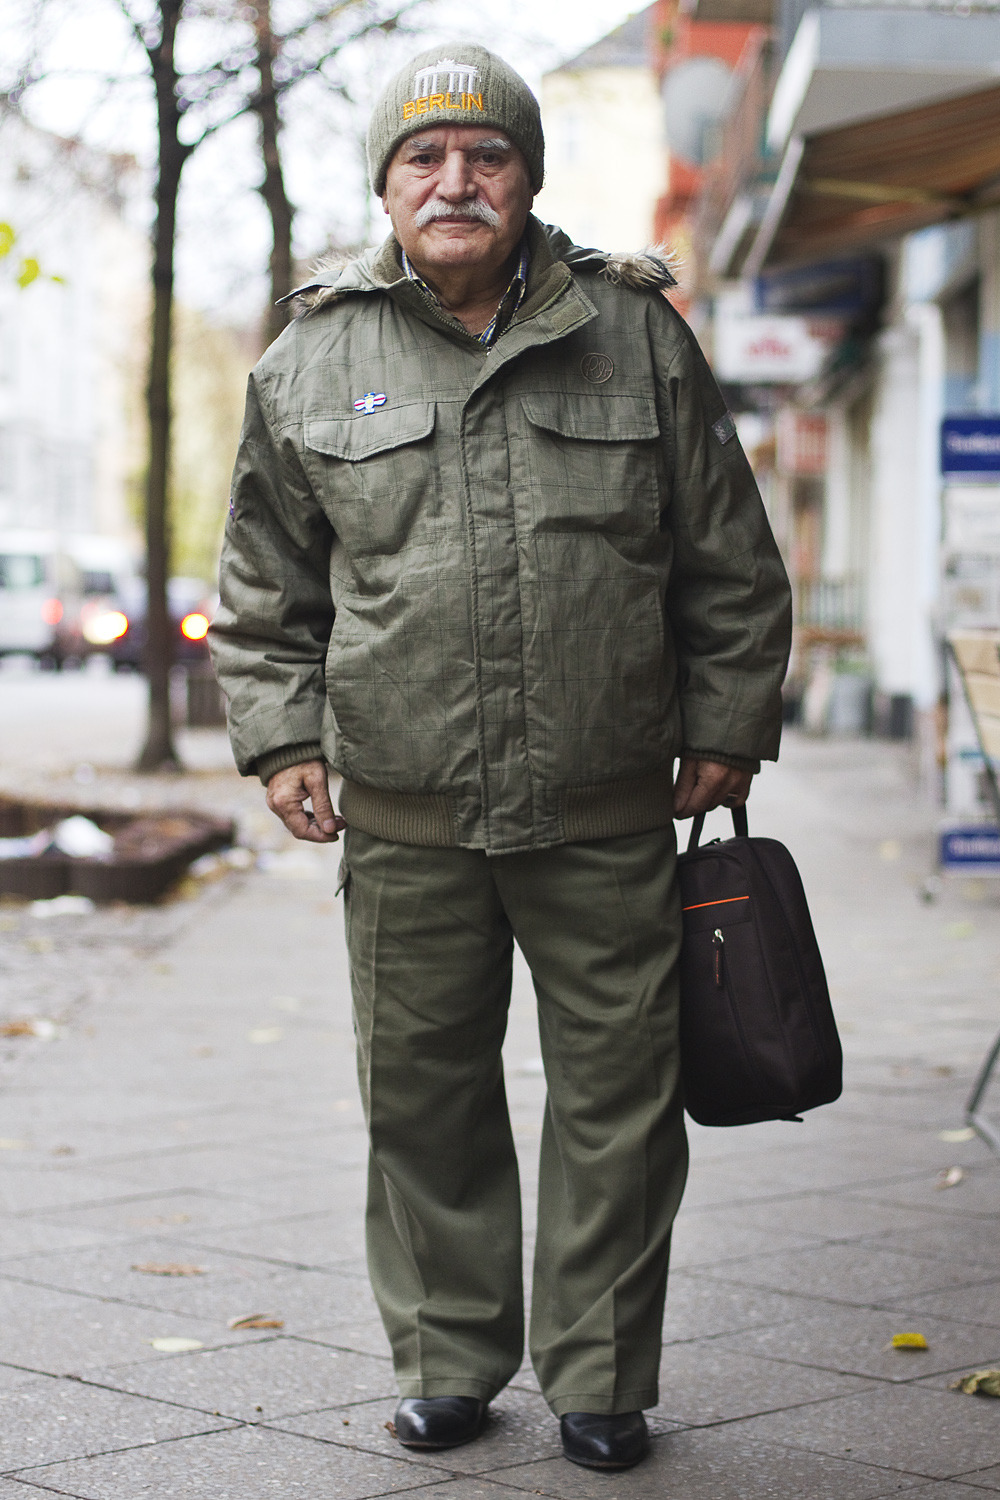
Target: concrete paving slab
(909, 1428)
(228, 1286)
(109, 1270)
(260, 1381)
(712, 1238)
(978, 1193)
(185, 1167)
(13, 1489)
(940, 1489)
(43, 1193)
(251, 1463)
(358, 1337)
(710, 1464)
(856, 1341)
(698, 1307)
(183, 1214)
(809, 1217)
(974, 1304)
(852, 1273)
(972, 1241)
(53, 1420)
(21, 1237)
(983, 1479)
(703, 1383)
(303, 1239)
(64, 1333)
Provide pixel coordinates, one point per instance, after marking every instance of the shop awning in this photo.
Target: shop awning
(856, 185)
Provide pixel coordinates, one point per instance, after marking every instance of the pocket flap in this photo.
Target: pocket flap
(596, 419)
(363, 436)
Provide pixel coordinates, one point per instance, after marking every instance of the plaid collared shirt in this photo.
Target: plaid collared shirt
(506, 307)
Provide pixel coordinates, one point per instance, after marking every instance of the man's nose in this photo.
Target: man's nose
(456, 180)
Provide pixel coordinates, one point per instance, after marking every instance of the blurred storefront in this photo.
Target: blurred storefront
(854, 216)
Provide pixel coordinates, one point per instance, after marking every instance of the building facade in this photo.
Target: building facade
(72, 306)
(605, 157)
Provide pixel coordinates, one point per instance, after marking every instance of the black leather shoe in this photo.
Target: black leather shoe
(438, 1421)
(604, 1442)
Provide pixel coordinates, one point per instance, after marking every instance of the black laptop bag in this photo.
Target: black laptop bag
(758, 1037)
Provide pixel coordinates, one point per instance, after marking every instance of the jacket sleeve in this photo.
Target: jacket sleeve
(270, 635)
(728, 599)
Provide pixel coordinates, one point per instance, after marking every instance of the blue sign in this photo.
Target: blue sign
(974, 848)
(970, 445)
(848, 289)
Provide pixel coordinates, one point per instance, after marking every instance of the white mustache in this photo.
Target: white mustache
(474, 210)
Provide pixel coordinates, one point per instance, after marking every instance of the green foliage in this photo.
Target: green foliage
(29, 269)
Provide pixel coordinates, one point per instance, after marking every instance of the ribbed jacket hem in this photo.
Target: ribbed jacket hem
(399, 817)
(608, 809)
(289, 755)
(721, 758)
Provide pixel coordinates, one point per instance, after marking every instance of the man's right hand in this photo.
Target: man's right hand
(290, 789)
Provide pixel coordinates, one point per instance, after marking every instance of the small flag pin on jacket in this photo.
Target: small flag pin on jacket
(369, 402)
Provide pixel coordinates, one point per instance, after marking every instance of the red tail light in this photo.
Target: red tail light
(52, 611)
(195, 626)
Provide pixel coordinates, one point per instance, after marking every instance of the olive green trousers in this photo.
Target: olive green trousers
(430, 936)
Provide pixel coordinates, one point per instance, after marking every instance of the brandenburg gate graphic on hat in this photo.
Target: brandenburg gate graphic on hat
(461, 78)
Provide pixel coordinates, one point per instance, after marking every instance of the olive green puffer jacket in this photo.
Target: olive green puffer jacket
(502, 599)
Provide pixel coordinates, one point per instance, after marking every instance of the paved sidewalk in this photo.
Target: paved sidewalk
(199, 1108)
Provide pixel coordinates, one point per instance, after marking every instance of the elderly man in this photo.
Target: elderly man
(495, 556)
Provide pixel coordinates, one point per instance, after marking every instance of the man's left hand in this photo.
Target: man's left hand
(703, 784)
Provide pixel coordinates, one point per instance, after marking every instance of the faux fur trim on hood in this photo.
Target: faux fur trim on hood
(643, 271)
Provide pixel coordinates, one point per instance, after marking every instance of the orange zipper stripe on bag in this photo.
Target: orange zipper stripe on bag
(726, 900)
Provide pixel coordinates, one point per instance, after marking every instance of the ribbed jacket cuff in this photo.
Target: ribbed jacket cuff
(722, 758)
(289, 755)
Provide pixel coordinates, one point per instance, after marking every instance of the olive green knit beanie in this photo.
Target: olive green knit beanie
(457, 84)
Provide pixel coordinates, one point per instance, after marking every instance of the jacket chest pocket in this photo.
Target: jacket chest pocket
(376, 475)
(597, 461)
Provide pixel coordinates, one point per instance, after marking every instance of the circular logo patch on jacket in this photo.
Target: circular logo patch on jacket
(597, 368)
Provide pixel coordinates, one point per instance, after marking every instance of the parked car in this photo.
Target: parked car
(50, 587)
(123, 623)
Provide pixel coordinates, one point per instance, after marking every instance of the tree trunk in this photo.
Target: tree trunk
(272, 188)
(158, 753)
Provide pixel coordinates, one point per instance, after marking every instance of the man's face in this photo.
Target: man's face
(458, 196)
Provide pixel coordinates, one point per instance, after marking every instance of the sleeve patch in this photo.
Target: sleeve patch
(724, 428)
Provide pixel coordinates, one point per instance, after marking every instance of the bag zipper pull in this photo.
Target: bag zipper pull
(718, 943)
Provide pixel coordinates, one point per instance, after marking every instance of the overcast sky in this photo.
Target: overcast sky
(223, 244)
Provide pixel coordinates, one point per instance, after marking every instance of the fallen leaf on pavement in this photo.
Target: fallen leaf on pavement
(907, 1341)
(979, 1383)
(257, 1320)
(168, 1268)
(18, 1028)
(176, 1346)
(390, 1428)
(949, 1177)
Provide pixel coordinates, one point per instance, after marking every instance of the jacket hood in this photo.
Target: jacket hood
(337, 276)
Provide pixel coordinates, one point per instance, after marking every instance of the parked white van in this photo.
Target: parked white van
(46, 587)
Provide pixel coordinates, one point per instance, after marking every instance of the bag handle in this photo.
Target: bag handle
(740, 826)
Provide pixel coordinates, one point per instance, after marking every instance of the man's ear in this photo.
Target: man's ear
(385, 202)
